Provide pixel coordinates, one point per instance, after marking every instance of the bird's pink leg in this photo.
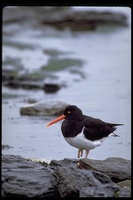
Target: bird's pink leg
(87, 153)
(80, 153)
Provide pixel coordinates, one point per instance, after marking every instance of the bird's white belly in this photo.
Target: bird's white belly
(81, 142)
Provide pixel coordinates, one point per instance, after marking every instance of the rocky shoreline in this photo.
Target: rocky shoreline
(30, 178)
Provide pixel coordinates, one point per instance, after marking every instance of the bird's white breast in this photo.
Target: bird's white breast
(81, 142)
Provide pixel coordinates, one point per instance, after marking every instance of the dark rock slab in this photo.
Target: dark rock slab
(64, 178)
(51, 87)
(17, 83)
(118, 169)
(22, 84)
(6, 146)
(23, 178)
(63, 16)
(84, 20)
(70, 181)
(44, 108)
(66, 162)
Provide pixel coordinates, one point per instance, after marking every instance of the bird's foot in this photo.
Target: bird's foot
(78, 165)
(115, 135)
(80, 153)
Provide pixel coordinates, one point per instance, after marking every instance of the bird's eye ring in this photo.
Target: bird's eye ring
(68, 112)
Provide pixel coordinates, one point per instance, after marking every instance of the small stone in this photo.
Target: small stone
(125, 192)
(51, 87)
(51, 108)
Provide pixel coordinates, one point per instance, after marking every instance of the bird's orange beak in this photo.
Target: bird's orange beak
(56, 120)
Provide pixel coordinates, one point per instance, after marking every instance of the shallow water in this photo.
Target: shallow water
(102, 89)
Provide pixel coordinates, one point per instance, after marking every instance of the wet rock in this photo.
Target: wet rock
(35, 178)
(8, 74)
(6, 146)
(23, 178)
(22, 84)
(7, 95)
(31, 100)
(70, 181)
(44, 108)
(84, 20)
(110, 169)
(64, 17)
(126, 183)
(118, 169)
(125, 192)
(51, 87)
(17, 82)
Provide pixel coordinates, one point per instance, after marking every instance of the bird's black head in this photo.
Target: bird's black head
(73, 112)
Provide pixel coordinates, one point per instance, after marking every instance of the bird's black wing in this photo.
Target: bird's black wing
(95, 129)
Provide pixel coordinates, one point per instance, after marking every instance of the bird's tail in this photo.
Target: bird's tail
(117, 124)
(114, 126)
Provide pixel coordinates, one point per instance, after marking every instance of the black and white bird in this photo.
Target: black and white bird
(83, 132)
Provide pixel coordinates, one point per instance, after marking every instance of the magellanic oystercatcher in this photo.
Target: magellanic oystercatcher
(83, 132)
